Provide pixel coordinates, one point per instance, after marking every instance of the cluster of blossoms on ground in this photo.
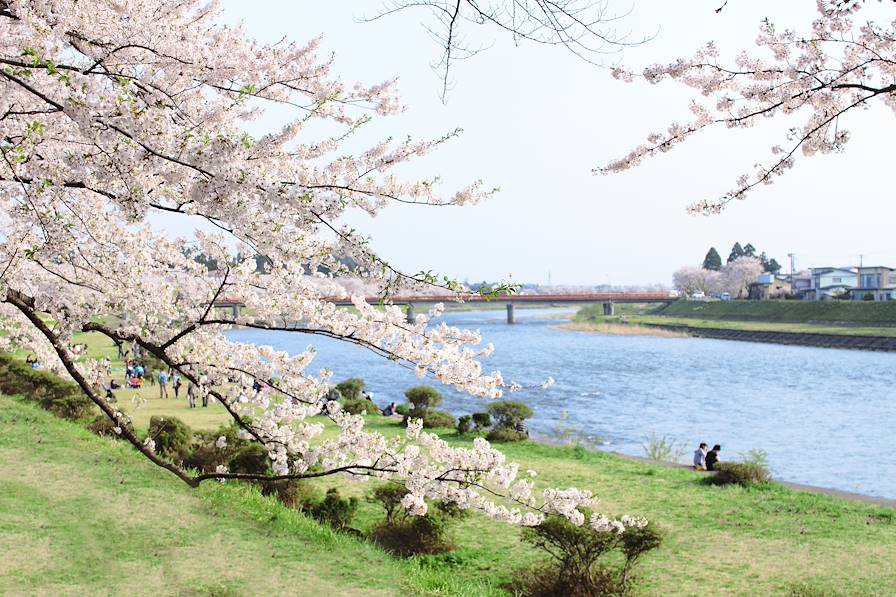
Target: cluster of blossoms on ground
(112, 112)
(821, 74)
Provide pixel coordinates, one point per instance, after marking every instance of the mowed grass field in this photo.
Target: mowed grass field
(81, 514)
(849, 318)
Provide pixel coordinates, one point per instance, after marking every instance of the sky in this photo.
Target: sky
(537, 119)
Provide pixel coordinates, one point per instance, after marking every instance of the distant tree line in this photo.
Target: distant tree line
(713, 261)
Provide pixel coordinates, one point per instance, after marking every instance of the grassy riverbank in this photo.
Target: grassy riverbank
(847, 318)
(81, 514)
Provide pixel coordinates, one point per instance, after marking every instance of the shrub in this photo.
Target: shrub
(205, 454)
(506, 434)
(103, 426)
(292, 493)
(172, 437)
(73, 407)
(360, 406)
(404, 534)
(867, 297)
(59, 396)
(335, 510)
(413, 536)
(464, 424)
(351, 389)
(437, 418)
(481, 421)
(755, 456)
(422, 398)
(509, 413)
(251, 459)
(579, 567)
(661, 447)
(738, 473)
(403, 409)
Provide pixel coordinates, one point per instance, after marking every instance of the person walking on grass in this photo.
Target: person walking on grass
(700, 457)
(712, 457)
(176, 385)
(163, 384)
(191, 394)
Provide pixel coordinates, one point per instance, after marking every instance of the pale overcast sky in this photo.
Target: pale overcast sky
(537, 120)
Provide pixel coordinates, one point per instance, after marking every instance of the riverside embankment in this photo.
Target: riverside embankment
(835, 324)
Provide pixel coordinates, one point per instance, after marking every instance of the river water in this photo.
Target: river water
(825, 417)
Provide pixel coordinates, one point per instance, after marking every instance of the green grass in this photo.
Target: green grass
(863, 313)
(84, 515)
(832, 317)
(81, 514)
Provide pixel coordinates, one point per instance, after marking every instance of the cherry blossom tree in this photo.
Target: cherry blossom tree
(689, 280)
(737, 275)
(113, 111)
(839, 64)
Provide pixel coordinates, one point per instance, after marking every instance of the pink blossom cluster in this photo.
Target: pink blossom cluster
(112, 112)
(820, 75)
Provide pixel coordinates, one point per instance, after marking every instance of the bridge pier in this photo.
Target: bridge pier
(608, 308)
(510, 319)
(235, 309)
(409, 313)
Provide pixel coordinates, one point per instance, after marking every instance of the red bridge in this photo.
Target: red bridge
(607, 299)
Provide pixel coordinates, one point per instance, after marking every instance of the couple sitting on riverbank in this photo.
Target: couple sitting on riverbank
(706, 461)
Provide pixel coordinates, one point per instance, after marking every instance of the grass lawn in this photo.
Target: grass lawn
(862, 313)
(81, 514)
(834, 317)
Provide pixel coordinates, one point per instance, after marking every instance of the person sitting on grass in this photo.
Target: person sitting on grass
(390, 410)
(113, 385)
(700, 457)
(712, 457)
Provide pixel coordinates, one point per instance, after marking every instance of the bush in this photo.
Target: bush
(464, 424)
(404, 534)
(437, 418)
(59, 396)
(334, 510)
(579, 567)
(509, 413)
(481, 421)
(403, 410)
(351, 389)
(292, 493)
(738, 473)
(360, 406)
(661, 447)
(205, 455)
(422, 398)
(506, 434)
(73, 407)
(172, 437)
(251, 459)
(103, 426)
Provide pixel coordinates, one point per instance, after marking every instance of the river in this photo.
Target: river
(825, 417)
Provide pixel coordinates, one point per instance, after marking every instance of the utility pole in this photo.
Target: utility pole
(792, 256)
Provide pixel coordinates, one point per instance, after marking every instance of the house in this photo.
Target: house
(830, 282)
(801, 283)
(768, 286)
(878, 282)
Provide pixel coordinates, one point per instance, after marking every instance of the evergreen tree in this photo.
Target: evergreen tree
(736, 251)
(772, 267)
(712, 260)
(749, 250)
